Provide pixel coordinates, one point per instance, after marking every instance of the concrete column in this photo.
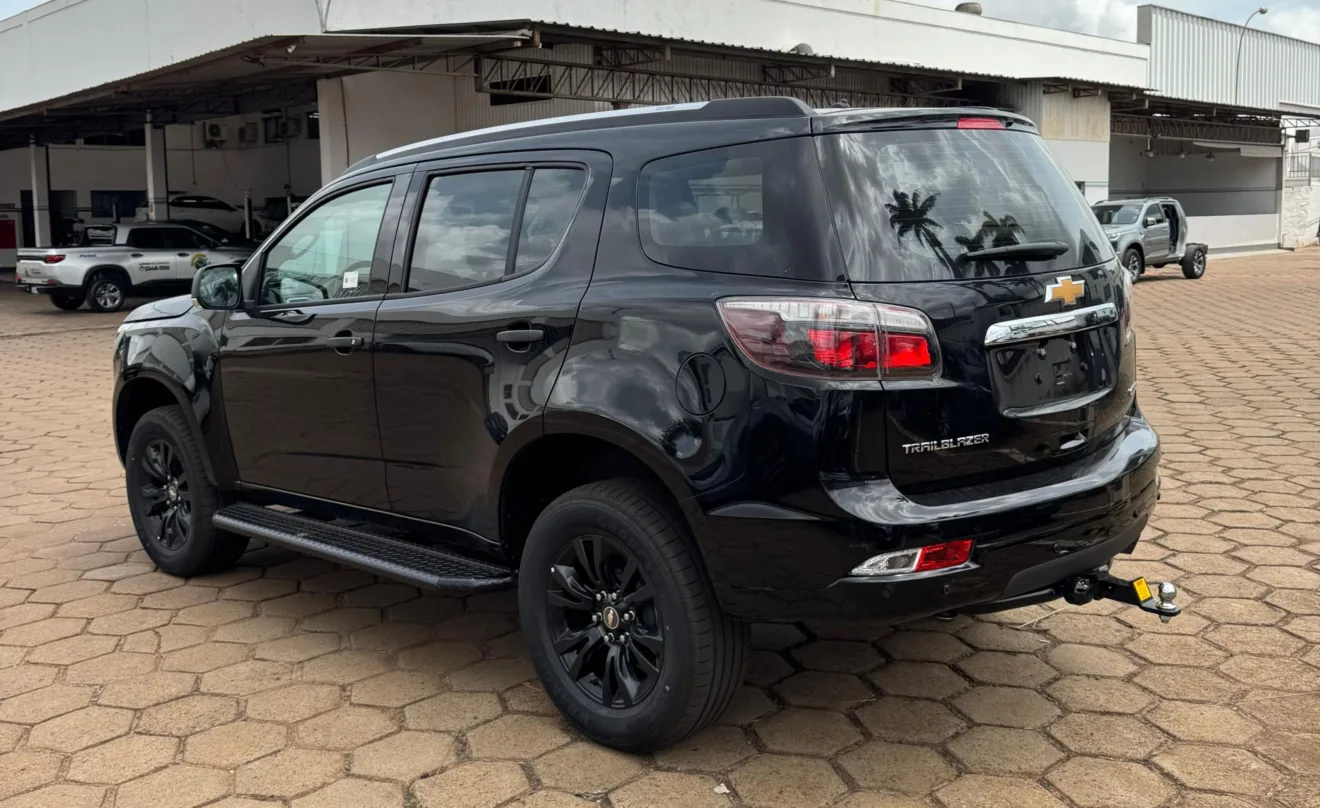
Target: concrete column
(39, 162)
(333, 114)
(158, 181)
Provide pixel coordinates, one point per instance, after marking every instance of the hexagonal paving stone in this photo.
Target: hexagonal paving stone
(390, 637)
(808, 732)
(493, 675)
(1096, 783)
(897, 767)
(231, 745)
(146, 690)
(81, 729)
(516, 737)
(764, 668)
(775, 781)
(1296, 752)
(122, 759)
(1006, 706)
(1276, 577)
(1214, 768)
(1087, 629)
(254, 630)
(353, 793)
(439, 657)
(1208, 723)
(714, 749)
(1262, 640)
(1223, 586)
(837, 656)
(1239, 611)
(1114, 736)
(1273, 672)
(585, 768)
(188, 715)
(999, 668)
(665, 788)
(179, 786)
(247, 678)
(73, 649)
(395, 689)
(204, 657)
(288, 773)
(44, 703)
(1090, 660)
(924, 646)
(65, 796)
(1166, 650)
(991, 637)
(452, 712)
(979, 791)
(293, 702)
(26, 769)
(481, 784)
(298, 648)
(404, 756)
(345, 728)
(927, 680)
(25, 678)
(1002, 750)
(1296, 713)
(894, 718)
(216, 613)
(824, 690)
(1188, 684)
(110, 668)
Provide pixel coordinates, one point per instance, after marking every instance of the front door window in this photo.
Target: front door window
(328, 254)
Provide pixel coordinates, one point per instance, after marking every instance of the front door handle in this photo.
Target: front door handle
(344, 343)
(184, 255)
(521, 335)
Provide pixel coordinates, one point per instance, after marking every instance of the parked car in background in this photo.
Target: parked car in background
(213, 211)
(113, 260)
(217, 234)
(666, 371)
(1150, 232)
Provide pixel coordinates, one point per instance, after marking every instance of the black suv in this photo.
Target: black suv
(666, 371)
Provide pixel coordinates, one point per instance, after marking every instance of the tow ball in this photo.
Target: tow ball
(1099, 585)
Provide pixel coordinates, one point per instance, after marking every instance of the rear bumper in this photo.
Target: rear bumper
(1030, 533)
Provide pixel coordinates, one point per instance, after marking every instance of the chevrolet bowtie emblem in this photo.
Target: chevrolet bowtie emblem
(1065, 290)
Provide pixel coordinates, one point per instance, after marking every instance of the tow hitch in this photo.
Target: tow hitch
(1099, 585)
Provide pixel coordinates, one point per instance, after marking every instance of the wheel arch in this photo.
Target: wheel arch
(575, 450)
(142, 393)
(113, 268)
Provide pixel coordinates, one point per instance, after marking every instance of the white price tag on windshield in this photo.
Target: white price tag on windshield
(351, 279)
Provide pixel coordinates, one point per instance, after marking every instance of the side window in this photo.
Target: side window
(147, 238)
(464, 230)
(177, 238)
(552, 200)
(1155, 212)
(712, 202)
(328, 253)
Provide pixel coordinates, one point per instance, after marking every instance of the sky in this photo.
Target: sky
(1112, 18)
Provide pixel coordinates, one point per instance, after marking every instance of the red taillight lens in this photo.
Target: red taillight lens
(943, 556)
(52, 259)
(980, 123)
(830, 338)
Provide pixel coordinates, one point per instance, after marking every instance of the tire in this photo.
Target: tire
(186, 543)
(1133, 263)
(68, 301)
(702, 652)
(106, 291)
(1193, 263)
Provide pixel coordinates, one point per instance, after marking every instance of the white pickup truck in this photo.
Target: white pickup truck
(116, 259)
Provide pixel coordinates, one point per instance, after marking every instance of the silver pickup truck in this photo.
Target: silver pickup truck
(1150, 232)
(113, 260)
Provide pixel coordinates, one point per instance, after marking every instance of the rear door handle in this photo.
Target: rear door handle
(345, 343)
(523, 335)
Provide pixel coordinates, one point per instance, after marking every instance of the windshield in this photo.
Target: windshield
(1117, 214)
(909, 205)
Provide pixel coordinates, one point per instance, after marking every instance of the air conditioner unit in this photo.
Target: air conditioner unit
(289, 127)
(214, 134)
(248, 132)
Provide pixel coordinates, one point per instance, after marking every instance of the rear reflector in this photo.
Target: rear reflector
(918, 559)
(830, 338)
(980, 123)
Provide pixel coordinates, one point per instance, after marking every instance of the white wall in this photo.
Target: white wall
(1228, 232)
(1301, 216)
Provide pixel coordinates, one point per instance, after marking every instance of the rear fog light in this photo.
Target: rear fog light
(917, 559)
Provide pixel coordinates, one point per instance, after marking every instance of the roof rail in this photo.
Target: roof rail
(768, 107)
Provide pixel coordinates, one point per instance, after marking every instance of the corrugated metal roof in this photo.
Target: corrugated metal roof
(1196, 59)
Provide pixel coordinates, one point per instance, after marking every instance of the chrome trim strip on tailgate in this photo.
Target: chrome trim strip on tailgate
(1050, 325)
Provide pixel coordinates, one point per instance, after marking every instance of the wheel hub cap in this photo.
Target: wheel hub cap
(610, 617)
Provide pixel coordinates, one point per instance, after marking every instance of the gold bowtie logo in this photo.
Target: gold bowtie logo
(1065, 289)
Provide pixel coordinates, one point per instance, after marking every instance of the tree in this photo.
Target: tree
(994, 232)
(910, 215)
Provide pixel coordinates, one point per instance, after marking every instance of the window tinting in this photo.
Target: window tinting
(754, 209)
(909, 204)
(1117, 214)
(328, 253)
(552, 200)
(147, 238)
(183, 239)
(464, 230)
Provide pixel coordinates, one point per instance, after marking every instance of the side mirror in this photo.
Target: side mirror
(218, 286)
(1151, 221)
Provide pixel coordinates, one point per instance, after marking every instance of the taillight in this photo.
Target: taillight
(52, 259)
(931, 558)
(830, 338)
(1125, 317)
(980, 123)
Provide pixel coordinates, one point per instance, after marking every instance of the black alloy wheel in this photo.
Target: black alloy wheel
(604, 621)
(167, 500)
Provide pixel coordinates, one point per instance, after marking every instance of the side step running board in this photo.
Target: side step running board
(412, 563)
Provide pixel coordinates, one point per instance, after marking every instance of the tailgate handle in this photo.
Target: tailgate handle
(1029, 329)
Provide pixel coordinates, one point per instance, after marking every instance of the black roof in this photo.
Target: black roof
(731, 109)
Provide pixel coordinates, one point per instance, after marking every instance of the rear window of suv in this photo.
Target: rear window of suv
(750, 209)
(908, 205)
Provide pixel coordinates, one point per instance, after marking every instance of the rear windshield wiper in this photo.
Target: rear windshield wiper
(1031, 251)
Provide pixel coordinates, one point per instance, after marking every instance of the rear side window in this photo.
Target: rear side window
(147, 238)
(751, 209)
(909, 205)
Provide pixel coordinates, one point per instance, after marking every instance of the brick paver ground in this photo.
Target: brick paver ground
(288, 681)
